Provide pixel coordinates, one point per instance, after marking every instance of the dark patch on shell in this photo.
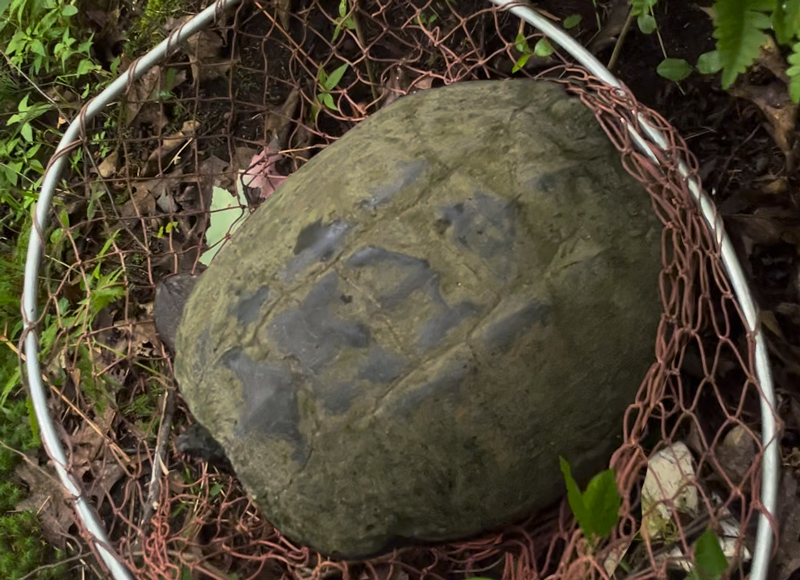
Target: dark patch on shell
(269, 400)
(311, 333)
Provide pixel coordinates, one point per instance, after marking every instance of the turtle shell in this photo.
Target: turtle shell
(398, 345)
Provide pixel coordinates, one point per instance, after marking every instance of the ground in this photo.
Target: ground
(262, 84)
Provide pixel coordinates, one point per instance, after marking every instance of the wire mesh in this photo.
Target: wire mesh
(249, 96)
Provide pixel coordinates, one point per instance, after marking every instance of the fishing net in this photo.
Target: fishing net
(253, 99)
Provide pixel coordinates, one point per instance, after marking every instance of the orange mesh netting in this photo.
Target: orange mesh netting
(140, 213)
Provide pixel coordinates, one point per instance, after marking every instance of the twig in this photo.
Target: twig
(373, 85)
(35, 573)
(612, 62)
(158, 460)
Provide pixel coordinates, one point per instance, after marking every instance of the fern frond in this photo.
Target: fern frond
(786, 21)
(739, 31)
(794, 73)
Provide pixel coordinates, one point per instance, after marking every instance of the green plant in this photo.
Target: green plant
(741, 29)
(596, 509)
(542, 48)
(345, 20)
(709, 559)
(326, 83)
(425, 19)
(572, 21)
(44, 53)
(642, 10)
(22, 549)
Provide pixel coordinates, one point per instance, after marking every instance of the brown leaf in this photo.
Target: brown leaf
(140, 93)
(283, 10)
(106, 475)
(142, 203)
(46, 496)
(169, 150)
(108, 167)
(204, 51)
(774, 102)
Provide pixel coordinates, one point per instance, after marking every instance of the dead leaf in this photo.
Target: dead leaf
(770, 58)
(282, 10)
(108, 167)
(106, 475)
(166, 153)
(46, 497)
(612, 26)
(399, 82)
(141, 203)
(204, 51)
(261, 173)
(141, 92)
(277, 122)
(773, 100)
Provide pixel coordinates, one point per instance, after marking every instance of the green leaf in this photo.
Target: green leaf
(327, 100)
(335, 77)
(86, 66)
(674, 69)
(602, 499)
(572, 21)
(786, 21)
(38, 47)
(709, 560)
(642, 7)
(739, 30)
(543, 48)
(574, 493)
(27, 132)
(226, 217)
(647, 24)
(336, 32)
(521, 43)
(521, 62)
(69, 10)
(794, 73)
(342, 8)
(597, 509)
(708, 63)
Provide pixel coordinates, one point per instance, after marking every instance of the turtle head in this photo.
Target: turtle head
(172, 293)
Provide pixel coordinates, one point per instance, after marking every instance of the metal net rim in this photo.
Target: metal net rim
(651, 139)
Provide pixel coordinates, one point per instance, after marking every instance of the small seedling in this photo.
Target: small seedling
(572, 21)
(596, 509)
(674, 69)
(167, 229)
(426, 20)
(542, 48)
(326, 84)
(642, 10)
(345, 20)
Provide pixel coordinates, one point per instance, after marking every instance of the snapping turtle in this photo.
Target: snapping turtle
(401, 342)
